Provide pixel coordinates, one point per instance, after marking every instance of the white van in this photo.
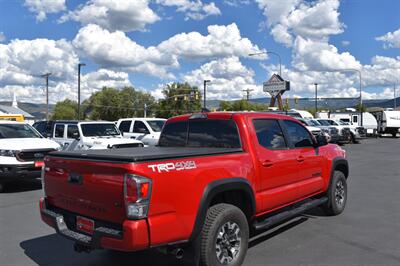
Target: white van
(147, 130)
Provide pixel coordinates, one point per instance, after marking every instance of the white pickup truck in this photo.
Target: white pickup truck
(146, 130)
(22, 150)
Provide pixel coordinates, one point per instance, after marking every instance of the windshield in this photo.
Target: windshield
(156, 125)
(99, 130)
(325, 122)
(10, 131)
(343, 123)
(312, 122)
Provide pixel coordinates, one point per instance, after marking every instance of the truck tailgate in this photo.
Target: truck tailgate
(88, 188)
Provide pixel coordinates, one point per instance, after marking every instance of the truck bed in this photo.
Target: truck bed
(143, 154)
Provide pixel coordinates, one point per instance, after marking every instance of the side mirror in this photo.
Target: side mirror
(321, 140)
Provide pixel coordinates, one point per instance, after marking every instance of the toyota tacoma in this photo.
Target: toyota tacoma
(213, 181)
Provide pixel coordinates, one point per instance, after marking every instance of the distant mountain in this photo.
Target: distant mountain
(37, 110)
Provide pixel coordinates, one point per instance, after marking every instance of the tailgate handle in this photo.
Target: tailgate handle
(74, 178)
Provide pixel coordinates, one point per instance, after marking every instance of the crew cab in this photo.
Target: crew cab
(214, 180)
(86, 135)
(146, 130)
(22, 150)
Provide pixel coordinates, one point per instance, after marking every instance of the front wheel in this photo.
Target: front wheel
(337, 194)
(224, 237)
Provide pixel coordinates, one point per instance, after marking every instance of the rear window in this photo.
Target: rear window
(202, 133)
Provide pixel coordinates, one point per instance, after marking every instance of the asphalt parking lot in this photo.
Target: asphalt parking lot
(367, 233)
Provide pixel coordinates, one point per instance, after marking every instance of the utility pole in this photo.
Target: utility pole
(394, 96)
(205, 92)
(248, 93)
(46, 76)
(79, 89)
(316, 97)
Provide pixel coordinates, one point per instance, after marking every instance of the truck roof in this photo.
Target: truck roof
(229, 115)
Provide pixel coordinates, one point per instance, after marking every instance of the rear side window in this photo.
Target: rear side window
(41, 127)
(213, 133)
(202, 133)
(269, 134)
(72, 132)
(125, 126)
(298, 135)
(174, 135)
(59, 131)
(140, 127)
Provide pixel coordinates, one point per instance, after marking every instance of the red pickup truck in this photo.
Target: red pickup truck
(214, 180)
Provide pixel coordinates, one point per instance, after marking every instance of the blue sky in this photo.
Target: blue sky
(148, 43)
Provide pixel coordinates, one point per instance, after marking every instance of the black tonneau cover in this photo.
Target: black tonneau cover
(142, 154)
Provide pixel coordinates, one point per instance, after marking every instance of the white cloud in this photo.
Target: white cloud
(228, 78)
(44, 7)
(2, 37)
(126, 15)
(390, 39)
(195, 9)
(116, 50)
(345, 43)
(221, 41)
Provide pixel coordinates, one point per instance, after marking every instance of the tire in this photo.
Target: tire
(394, 134)
(214, 239)
(337, 194)
(353, 139)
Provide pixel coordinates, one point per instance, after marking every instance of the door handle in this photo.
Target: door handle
(267, 163)
(300, 158)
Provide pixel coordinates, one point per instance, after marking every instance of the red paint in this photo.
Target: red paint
(278, 178)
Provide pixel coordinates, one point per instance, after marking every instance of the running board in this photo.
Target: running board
(285, 215)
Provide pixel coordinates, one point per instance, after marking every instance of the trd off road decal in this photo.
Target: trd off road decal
(178, 166)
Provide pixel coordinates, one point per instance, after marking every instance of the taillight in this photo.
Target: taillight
(137, 192)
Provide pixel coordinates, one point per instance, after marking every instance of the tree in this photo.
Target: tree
(112, 104)
(241, 105)
(65, 110)
(179, 98)
(361, 108)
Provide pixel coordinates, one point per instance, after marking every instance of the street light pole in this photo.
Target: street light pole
(79, 89)
(46, 76)
(316, 97)
(205, 92)
(270, 52)
(145, 110)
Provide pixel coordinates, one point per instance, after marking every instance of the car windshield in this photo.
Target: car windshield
(99, 130)
(156, 125)
(343, 123)
(325, 122)
(11, 131)
(312, 122)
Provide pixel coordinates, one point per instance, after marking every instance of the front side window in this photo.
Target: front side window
(59, 131)
(140, 127)
(99, 130)
(125, 126)
(269, 134)
(298, 135)
(11, 131)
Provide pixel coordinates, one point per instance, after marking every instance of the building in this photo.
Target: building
(14, 109)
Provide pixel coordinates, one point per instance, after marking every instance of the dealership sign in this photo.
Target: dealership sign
(276, 85)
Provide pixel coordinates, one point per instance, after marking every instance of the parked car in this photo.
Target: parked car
(22, 150)
(146, 130)
(369, 122)
(388, 122)
(330, 132)
(212, 182)
(347, 132)
(86, 135)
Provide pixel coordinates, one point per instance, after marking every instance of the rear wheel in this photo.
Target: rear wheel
(224, 237)
(337, 194)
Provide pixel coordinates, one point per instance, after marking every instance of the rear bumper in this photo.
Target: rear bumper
(133, 236)
(17, 171)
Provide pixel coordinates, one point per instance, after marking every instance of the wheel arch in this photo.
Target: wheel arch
(221, 191)
(340, 164)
